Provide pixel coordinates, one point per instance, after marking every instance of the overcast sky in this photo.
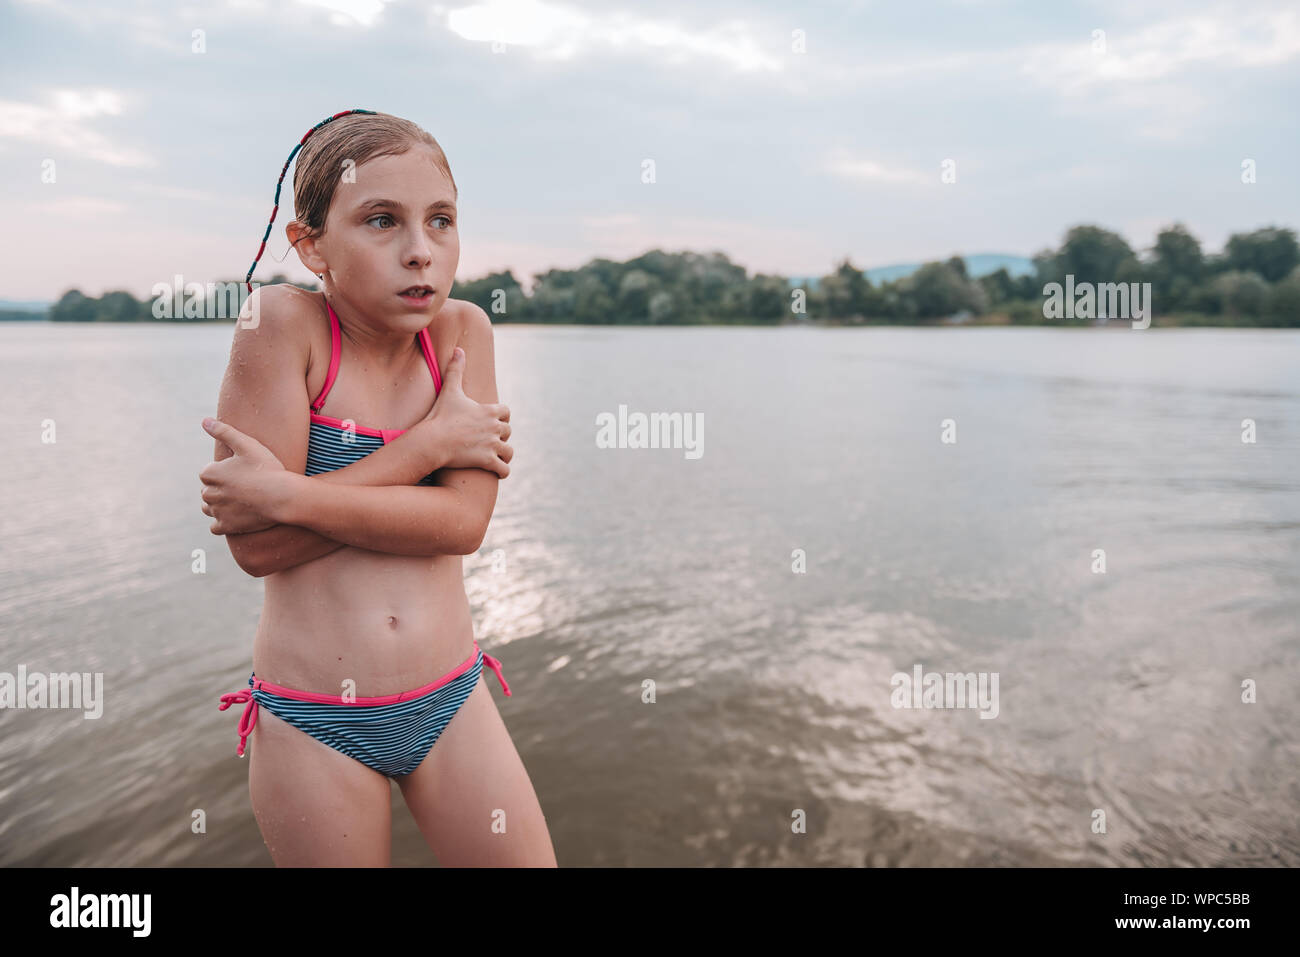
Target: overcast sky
(165, 159)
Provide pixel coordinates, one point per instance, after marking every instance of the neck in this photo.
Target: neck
(382, 345)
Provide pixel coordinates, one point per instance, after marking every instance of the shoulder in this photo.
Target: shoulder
(460, 323)
(281, 306)
(470, 320)
(281, 315)
(473, 333)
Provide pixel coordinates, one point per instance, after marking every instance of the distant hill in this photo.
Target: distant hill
(14, 310)
(980, 264)
(25, 305)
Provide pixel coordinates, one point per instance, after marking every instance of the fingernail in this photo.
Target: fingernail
(207, 423)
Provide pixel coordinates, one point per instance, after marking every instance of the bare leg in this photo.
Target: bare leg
(316, 807)
(471, 796)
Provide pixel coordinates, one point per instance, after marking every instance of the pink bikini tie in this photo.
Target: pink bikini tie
(247, 719)
(495, 665)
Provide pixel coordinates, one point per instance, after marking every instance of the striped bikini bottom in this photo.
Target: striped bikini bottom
(391, 733)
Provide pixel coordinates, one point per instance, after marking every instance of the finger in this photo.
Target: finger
(206, 510)
(505, 433)
(502, 469)
(506, 452)
(455, 369)
(224, 432)
(501, 411)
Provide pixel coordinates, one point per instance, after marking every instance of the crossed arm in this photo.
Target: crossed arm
(372, 503)
(392, 514)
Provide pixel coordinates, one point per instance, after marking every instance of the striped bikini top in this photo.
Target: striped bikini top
(330, 443)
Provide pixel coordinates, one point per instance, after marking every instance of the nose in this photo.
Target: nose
(417, 251)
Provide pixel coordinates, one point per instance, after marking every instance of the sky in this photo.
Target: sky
(785, 135)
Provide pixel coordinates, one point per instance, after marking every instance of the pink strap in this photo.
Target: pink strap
(495, 665)
(248, 719)
(431, 359)
(335, 351)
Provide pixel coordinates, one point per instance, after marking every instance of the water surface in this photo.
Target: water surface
(1118, 691)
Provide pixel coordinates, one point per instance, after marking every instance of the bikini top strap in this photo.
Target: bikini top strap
(336, 343)
(431, 359)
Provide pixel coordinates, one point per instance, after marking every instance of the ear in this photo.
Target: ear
(305, 246)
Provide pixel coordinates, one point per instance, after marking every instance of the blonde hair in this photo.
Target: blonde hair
(357, 137)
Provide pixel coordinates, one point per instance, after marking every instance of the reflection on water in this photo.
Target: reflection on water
(606, 570)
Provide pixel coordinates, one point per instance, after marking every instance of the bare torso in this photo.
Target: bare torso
(389, 623)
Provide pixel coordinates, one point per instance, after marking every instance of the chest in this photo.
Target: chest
(331, 447)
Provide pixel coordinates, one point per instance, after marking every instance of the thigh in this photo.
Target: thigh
(471, 796)
(315, 806)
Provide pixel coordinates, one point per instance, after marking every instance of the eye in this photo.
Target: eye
(379, 216)
(447, 218)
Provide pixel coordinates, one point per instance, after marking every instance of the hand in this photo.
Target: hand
(472, 434)
(244, 491)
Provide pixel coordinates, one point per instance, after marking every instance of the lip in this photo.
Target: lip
(420, 299)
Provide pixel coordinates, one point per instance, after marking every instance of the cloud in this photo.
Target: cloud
(1164, 73)
(82, 104)
(559, 32)
(1225, 37)
(350, 12)
(61, 127)
(864, 170)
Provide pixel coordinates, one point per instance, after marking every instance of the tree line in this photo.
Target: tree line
(1253, 281)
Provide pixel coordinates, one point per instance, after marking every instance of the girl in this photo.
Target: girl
(365, 665)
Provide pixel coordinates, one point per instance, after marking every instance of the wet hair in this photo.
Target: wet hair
(356, 135)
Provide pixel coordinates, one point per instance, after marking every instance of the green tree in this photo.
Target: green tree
(1177, 265)
(938, 289)
(120, 306)
(1271, 252)
(635, 290)
(494, 292)
(1241, 293)
(1028, 288)
(593, 302)
(1283, 306)
(661, 307)
(769, 298)
(73, 307)
(552, 303)
(844, 292)
(1093, 254)
(998, 286)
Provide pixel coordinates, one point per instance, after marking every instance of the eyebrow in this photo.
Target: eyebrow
(393, 204)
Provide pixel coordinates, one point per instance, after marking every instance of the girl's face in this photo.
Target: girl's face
(392, 228)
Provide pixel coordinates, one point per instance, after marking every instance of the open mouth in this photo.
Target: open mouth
(417, 293)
